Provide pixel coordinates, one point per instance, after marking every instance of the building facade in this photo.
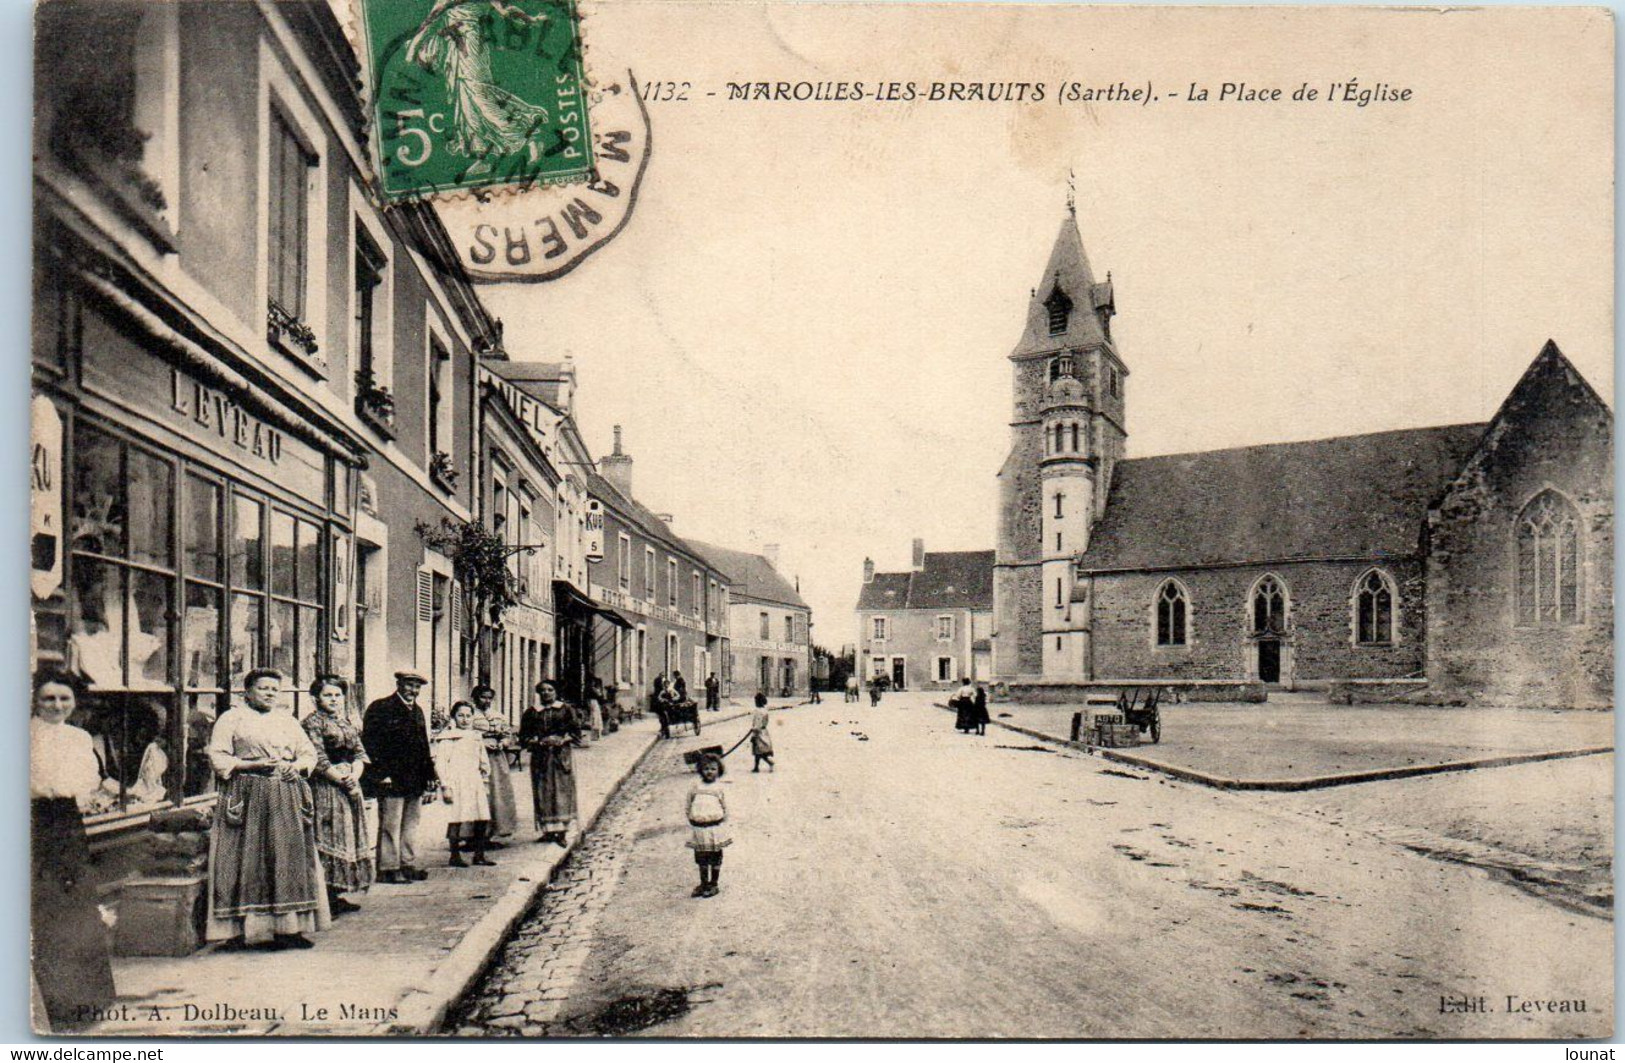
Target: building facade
(769, 624)
(250, 384)
(670, 601)
(931, 626)
(1474, 558)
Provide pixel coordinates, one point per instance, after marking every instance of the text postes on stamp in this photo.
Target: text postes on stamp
(547, 232)
(470, 94)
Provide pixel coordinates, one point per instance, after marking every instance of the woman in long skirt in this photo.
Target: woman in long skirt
(265, 884)
(761, 743)
(494, 730)
(71, 966)
(548, 732)
(335, 787)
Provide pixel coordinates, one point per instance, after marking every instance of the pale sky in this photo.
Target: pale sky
(804, 327)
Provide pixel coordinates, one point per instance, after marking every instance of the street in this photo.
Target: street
(897, 879)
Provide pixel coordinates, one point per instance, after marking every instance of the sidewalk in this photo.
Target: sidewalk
(396, 965)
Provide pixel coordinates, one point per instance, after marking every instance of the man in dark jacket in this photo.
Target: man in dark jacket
(397, 741)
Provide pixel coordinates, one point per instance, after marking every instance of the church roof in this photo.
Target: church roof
(751, 576)
(1353, 496)
(1067, 270)
(951, 579)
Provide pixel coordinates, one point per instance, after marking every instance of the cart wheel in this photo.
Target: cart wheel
(1156, 728)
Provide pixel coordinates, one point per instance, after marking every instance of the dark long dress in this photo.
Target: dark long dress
(70, 940)
(552, 770)
(341, 822)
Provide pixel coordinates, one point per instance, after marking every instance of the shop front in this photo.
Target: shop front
(201, 530)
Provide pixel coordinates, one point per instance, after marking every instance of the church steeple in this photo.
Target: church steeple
(1068, 308)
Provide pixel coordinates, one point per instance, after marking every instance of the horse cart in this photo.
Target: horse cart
(681, 714)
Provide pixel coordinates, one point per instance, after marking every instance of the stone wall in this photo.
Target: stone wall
(1319, 645)
(1552, 434)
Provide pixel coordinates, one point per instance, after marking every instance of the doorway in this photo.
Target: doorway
(897, 672)
(1269, 660)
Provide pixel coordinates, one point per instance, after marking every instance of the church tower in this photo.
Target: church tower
(1067, 434)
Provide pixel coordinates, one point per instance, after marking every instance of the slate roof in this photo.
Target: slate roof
(952, 579)
(640, 516)
(1353, 496)
(751, 576)
(1067, 269)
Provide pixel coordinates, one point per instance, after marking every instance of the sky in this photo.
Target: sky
(804, 327)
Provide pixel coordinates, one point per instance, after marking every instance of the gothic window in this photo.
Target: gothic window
(1548, 542)
(1173, 608)
(1057, 309)
(1373, 610)
(1269, 606)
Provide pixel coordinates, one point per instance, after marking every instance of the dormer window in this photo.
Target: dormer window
(1059, 309)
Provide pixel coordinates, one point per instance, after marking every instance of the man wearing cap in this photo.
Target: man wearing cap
(396, 737)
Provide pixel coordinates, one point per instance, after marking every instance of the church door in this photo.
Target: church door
(1269, 660)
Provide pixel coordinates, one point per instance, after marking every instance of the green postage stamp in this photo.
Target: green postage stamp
(473, 94)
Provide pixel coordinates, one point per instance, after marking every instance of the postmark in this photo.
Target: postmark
(475, 94)
(546, 232)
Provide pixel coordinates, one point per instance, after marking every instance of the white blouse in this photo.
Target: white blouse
(61, 760)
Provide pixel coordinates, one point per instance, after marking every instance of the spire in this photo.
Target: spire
(1067, 283)
(1071, 193)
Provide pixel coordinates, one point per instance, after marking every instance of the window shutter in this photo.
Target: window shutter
(425, 596)
(456, 606)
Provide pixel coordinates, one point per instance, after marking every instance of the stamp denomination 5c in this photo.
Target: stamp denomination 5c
(475, 94)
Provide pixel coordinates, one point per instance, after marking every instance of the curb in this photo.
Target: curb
(1313, 782)
(423, 1012)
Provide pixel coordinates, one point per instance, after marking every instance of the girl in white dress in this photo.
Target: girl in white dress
(464, 772)
(708, 817)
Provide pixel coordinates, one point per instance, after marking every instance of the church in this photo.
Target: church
(1462, 564)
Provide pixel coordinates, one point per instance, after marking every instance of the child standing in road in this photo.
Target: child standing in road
(708, 816)
(761, 744)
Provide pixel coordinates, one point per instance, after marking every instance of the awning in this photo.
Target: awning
(616, 617)
(565, 596)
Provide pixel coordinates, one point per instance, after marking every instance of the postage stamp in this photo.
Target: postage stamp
(470, 94)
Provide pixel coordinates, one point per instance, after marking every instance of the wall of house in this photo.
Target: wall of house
(912, 633)
(749, 649)
(1320, 617)
(1477, 652)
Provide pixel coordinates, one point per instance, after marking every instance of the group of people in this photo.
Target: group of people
(970, 708)
(290, 836)
(707, 806)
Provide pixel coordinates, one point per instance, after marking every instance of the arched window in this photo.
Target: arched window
(1172, 610)
(1548, 540)
(1074, 438)
(1373, 609)
(1269, 606)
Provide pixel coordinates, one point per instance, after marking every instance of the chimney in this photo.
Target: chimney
(617, 467)
(919, 554)
(868, 570)
(667, 517)
(771, 552)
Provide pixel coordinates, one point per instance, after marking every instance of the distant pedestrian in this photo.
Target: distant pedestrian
(595, 707)
(661, 702)
(761, 743)
(964, 705)
(874, 691)
(813, 687)
(464, 772)
(335, 787)
(548, 731)
(980, 713)
(713, 693)
(708, 818)
(853, 686)
(679, 686)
